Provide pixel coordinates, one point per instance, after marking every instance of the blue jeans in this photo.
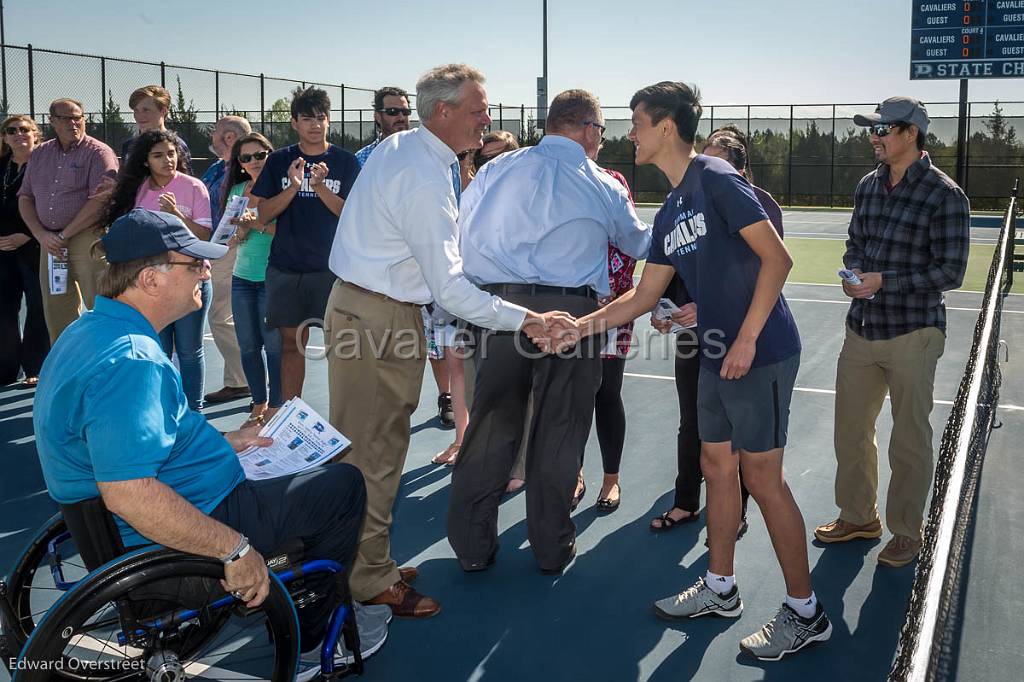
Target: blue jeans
(249, 307)
(186, 338)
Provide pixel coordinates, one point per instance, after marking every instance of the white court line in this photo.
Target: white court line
(835, 236)
(826, 391)
(954, 291)
(847, 302)
(636, 279)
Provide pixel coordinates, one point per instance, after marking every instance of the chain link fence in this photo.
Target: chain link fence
(811, 155)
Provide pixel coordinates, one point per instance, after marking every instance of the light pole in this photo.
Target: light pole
(542, 82)
(3, 58)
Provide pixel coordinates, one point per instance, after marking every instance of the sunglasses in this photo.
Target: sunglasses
(882, 129)
(395, 111)
(15, 130)
(597, 125)
(255, 156)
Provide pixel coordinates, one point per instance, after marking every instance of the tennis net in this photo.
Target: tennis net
(927, 649)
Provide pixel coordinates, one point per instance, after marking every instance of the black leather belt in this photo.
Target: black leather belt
(538, 289)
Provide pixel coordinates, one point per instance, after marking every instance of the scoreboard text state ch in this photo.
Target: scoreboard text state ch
(967, 39)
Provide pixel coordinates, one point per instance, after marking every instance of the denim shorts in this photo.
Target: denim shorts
(753, 411)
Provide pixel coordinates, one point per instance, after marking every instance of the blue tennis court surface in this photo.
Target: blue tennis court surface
(595, 621)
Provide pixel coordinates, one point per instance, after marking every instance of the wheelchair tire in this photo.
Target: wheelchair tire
(63, 643)
(30, 587)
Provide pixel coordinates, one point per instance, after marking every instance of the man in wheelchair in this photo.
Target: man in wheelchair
(111, 420)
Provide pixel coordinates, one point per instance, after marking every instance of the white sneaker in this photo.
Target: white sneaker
(700, 600)
(372, 621)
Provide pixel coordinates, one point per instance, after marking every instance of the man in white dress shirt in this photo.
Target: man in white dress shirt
(535, 226)
(395, 250)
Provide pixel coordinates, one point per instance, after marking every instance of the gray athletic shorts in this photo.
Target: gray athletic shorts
(752, 412)
(295, 298)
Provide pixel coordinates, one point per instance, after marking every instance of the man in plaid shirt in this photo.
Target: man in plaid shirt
(909, 238)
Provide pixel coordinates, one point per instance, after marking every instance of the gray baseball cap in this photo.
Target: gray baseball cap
(897, 110)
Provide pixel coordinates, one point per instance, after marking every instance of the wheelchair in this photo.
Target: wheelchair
(78, 606)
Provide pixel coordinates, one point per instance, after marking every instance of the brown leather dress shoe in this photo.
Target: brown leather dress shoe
(408, 573)
(225, 394)
(405, 602)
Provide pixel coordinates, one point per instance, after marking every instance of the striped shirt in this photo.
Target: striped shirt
(917, 235)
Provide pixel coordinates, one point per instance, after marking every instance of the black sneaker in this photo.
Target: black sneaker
(445, 411)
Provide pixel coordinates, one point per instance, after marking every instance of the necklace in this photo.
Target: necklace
(10, 182)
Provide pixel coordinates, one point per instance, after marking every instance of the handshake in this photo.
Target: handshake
(555, 331)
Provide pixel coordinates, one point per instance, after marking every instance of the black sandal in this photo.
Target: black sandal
(605, 505)
(668, 523)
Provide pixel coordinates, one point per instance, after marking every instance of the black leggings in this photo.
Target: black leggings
(689, 477)
(610, 414)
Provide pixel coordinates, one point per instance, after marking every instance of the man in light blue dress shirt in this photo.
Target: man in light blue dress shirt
(534, 229)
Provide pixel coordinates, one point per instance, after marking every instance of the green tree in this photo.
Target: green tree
(113, 128)
(182, 114)
(998, 128)
(277, 124)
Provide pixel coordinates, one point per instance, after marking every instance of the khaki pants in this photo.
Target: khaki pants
(375, 357)
(222, 324)
(84, 271)
(905, 367)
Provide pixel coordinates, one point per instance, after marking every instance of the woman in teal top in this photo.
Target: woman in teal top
(248, 293)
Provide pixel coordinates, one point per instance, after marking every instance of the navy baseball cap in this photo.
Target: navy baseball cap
(897, 110)
(140, 233)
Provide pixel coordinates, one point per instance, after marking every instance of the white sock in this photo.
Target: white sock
(720, 584)
(805, 607)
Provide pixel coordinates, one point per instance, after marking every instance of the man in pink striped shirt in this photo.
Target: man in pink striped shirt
(56, 203)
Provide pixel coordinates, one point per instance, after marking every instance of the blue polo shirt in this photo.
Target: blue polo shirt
(110, 407)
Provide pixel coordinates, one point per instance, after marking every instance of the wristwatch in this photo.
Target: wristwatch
(60, 235)
(240, 551)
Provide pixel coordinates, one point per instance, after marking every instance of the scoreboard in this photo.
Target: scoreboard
(967, 39)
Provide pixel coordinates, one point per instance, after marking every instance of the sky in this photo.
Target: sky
(737, 52)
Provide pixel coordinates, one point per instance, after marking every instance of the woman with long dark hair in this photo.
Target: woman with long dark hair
(19, 262)
(248, 289)
(154, 177)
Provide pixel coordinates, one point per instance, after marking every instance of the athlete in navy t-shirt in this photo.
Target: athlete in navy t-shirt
(696, 231)
(303, 187)
(714, 233)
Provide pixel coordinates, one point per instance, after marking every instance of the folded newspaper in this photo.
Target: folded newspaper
(226, 228)
(302, 440)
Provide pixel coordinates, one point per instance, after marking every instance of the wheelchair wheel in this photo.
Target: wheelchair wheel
(170, 600)
(42, 575)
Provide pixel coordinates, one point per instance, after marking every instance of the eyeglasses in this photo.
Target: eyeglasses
(193, 265)
(597, 125)
(72, 119)
(882, 129)
(257, 156)
(16, 130)
(395, 111)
